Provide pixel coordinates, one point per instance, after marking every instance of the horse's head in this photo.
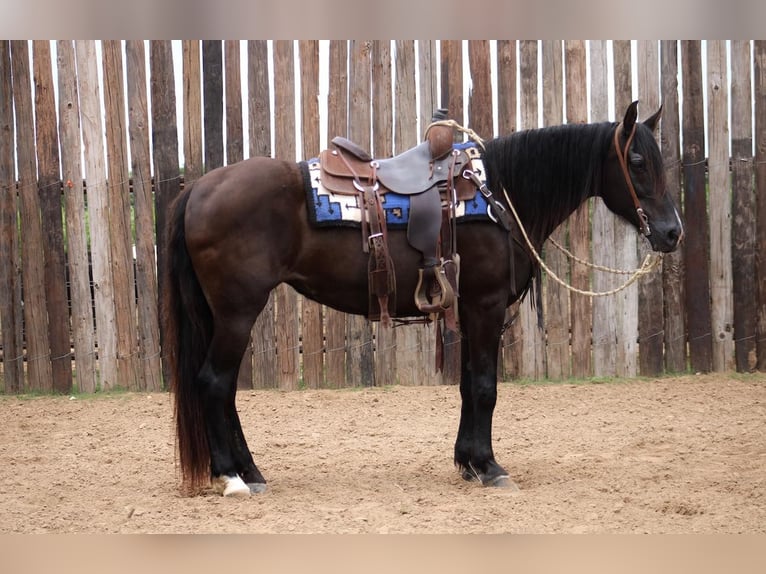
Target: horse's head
(634, 182)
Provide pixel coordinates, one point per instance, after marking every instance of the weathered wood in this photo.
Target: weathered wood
(98, 212)
(602, 222)
(382, 146)
(759, 80)
(10, 262)
(722, 305)
(39, 370)
(192, 111)
(480, 96)
(287, 330)
(83, 334)
(555, 297)
(360, 368)
(167, 183)
(650, 300)
(415, 344)
(452, 99)
(579, 222)
(212, 101)
(259, 111)
(744, 287)
(337, 124)
(673, 263)
(119, 219)
(696, 254)
(626, 302)
(506, 124)
(311, 311)
(146, 276)
(234, 154)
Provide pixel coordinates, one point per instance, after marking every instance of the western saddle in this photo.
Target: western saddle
(435, 177)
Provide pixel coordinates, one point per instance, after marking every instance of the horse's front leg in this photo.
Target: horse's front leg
(478, 390)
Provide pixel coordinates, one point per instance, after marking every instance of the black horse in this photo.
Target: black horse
(241, 230)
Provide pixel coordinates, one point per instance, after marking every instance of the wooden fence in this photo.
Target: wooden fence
(78, 267)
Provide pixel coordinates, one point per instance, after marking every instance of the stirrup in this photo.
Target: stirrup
(443, 301)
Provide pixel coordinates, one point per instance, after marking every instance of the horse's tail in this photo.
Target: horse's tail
(188, 330)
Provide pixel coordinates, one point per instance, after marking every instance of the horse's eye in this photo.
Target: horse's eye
(637, 161)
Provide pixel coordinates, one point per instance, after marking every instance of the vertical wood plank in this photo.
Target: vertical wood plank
(480, 95)
(146, 276)
(259, 110)
(119, 219)
(311, 311)
(167, 183)
(506, 124)
(650, 300)
(360, 370)
(49, 190)
(382, 146)
(415, 344)
(452, 99)
(626, 302)
(555, 297)
(695, 211)
(83, 334)
(235, 153)
(722, 305)
(530, 336)
(98, 207)
(672, 264)
(10, 262)
(212, 101)
(602, 222)
(288, 358)
(759, 81)
(192, 111)
(579, 222)
(337, 124)
(744, 287)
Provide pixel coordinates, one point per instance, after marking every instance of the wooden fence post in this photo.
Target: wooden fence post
(360, 368)
(602, 221)
(311, 312)
(760, 193)
(259, 111)
(337, 125)
(673, 263)
(146, 276)
(10, 262)
(695, 211)
(288, 356)
(167, 183)
(744, 287)
(83, 333)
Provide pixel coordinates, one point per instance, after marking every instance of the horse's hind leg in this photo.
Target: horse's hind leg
(231, 465)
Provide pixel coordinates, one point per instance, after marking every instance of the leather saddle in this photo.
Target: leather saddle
(435, 177)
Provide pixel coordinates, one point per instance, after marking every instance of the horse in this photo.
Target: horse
(242, 229)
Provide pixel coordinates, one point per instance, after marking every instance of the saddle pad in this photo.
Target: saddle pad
(326, 208)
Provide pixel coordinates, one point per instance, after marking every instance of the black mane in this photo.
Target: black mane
(548, 172)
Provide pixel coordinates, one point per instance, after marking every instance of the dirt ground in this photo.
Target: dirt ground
(674, 455)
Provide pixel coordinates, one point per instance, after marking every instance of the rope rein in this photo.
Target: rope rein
(651, 261)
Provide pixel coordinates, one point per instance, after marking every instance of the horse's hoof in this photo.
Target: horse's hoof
(256, 487)
(503, 481)
(231, 486)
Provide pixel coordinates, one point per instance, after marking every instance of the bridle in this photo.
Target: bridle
(622, 155)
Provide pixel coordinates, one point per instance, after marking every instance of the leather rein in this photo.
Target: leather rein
(622, 155)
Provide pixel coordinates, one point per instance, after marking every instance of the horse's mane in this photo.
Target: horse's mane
(548, 172)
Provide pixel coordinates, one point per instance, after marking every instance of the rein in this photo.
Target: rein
(650, 261)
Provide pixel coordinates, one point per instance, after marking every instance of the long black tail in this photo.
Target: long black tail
(188, 328)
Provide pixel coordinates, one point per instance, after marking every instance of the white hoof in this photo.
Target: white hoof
(231, 486)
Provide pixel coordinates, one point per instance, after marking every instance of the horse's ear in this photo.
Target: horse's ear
(630, 117)
(654, 121)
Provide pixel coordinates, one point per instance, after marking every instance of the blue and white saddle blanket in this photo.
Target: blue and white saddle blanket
(326, 208)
